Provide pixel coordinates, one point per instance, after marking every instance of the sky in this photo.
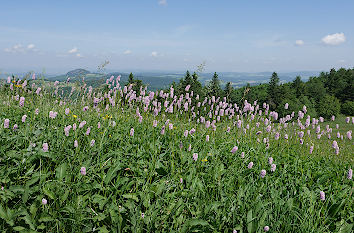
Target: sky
(176, 35)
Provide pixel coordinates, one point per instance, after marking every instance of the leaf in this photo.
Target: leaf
(60, 172)
(25, 194)
(194, 223)
(18, 228)
(249, 221)
(111, 174)
(49, 193)
(131, 196)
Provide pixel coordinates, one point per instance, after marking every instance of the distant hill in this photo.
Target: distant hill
(162, 79)
(77, 72)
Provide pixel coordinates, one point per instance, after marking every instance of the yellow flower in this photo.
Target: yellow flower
(205, 160)
(74, 116)
(13, 81)
(18, 85)
(110, 135)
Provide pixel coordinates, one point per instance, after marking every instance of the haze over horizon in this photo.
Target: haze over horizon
(171, 35)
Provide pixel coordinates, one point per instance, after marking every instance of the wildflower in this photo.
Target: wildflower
(36, 111)
(83, 171)
(242, 154)
(75, 116)
(85, 108)
(181, 180)
(192, 131)
(142, 215)
(98, 125)
(6, 123)
(44, 201)
(195, 156)
(311, 149)
(38, 90)
(76, 144)
(45, 147)
(22, 101)
(186, 133)
(88, 131)
(349, 135)
(266, 228)
(207, 138)
(286, 106)
(190, 147)
(333, 118)
(92, 142)
(24, 118)
(52, 114)
(250, 165)
(67, 111)
(263, 173)
(15, 127)
(273, 167)
(132, 132)
(170, 126)
(82, 124)
(154, 124)
(74, 126)
(347, 120)
(234, 231)
(350, 174)
(322, 196)
(163, 130)
(270, 160)
(234, 149)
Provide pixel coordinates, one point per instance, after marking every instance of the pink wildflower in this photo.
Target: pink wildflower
(45, 147)
(83, 171)
(6, 123)
(263, 173)
(195, 156)
(234, 149)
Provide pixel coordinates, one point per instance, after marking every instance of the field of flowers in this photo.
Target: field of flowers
(126, 161)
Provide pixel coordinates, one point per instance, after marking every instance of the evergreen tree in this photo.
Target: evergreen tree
(298, 86)
(228, 90)
(273, 91)
(214, 86)
(131, 78)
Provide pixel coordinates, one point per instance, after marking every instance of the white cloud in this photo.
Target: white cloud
(334, 39)
(154, 54)
(73, 50)
(342, 61)
(299, 42)
(127, 52)
(30, 46)
(17, 48)
(163, 2)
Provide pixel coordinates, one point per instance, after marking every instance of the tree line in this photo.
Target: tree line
(330, 93)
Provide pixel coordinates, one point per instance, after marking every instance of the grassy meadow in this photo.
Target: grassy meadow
(126, 161)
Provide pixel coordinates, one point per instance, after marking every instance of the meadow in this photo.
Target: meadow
(118, 160)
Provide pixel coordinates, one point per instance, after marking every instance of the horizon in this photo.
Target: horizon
(175, 36)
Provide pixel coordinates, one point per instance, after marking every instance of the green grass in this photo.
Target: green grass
(130, 176)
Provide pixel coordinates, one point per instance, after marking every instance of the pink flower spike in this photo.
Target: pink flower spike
(83, 171)
(45, 147)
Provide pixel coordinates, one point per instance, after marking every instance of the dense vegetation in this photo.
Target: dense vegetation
(326, 95)
(119, 160)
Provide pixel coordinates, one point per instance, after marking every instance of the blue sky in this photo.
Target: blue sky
(229, 35)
